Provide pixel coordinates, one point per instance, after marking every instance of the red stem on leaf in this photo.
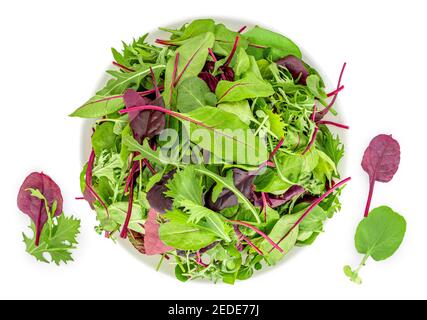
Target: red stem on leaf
(79, 198)
(335, 92)
(233, 51)
(313, 205)
(264, 205)
(242, 29)
(212, 54)
(156, 88)
(262, 234)
(331, 123)
(279, 145)
(123, 67)
(174, 74)
(149, 166)
(313, 139)
(88, 180)
(331, 104)
(124, 232)
(164, 42)
(241, 236)
(371, 192)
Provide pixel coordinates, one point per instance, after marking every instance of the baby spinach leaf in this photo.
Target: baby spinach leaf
(282, 227)
(99, 106)
(104, 138)
(224, 40)
(279, 45)
(194, 93)
(381, 234)
(378, 236)
(241, 109)
(192, 58)
(118, 212)
(179, 234)
(243, 62)
(201, 215)
(195, 28)
(211, 128)
(250, 86)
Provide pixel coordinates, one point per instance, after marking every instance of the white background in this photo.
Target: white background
(52, 55)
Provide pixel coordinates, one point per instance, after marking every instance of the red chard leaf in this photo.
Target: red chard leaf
(380, 161)
(156, 197)
(243, 181)
(210, 80)
(296, 67)
(153, 244)
(34, 207)
(144, 124)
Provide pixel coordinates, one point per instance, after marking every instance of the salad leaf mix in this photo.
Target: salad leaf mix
(210, 149)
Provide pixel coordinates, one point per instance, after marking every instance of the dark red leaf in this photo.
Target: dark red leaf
(144, 124)
(210, 80)
(243, 181)
(34, 207)
(156, 197)
(277, 201)
(296, 67)
(380, 161)
(153, 244)
(228, 73)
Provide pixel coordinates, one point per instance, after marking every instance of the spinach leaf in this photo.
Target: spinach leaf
(181, 235)
(378, 236)
(241, 109)
(250, 86)
(191, 60)
(118, 212)
(194, 93)
(279, 45)
(99, 106)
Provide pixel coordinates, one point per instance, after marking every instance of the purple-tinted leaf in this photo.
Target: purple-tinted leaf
(144, 124)
(210, 80)
(35, 207)
(380, 161)
(209, 66)
(243, 181)
(228, 73)
(296, 67)
(156, 197)
(291, 193)
(153, 244)
(137, 240)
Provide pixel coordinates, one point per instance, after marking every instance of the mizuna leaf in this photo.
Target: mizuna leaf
(380, 161)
